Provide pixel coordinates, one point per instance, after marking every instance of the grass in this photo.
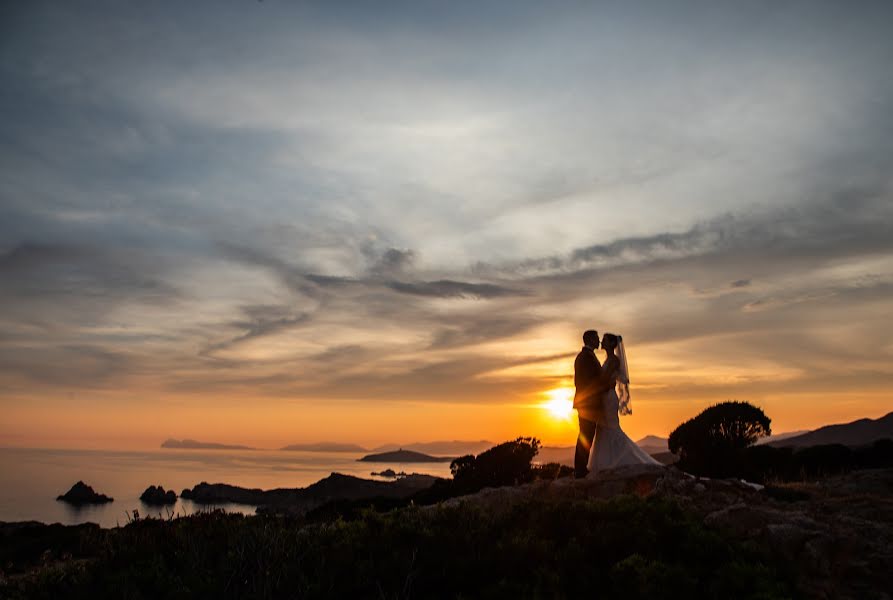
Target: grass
(625, 547)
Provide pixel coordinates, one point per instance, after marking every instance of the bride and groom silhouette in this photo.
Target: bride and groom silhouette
(602, 395)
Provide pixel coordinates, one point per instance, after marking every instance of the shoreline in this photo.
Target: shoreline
(209, 497)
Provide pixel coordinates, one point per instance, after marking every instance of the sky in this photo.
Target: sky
(281, 222)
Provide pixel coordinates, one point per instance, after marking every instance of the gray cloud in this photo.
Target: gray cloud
(391, 262)
(261, 321)
(481, 328)
(446, 288)
(59, 287)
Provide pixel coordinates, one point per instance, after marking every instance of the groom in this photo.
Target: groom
(587, 399)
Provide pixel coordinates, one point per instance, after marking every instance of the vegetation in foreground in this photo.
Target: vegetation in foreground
(625, 547)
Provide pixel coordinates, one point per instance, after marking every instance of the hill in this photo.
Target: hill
(777, 437)
(324, 447)
(334, 487)
(404, 456)
(857, 433)
(196, 445)
(653, 444)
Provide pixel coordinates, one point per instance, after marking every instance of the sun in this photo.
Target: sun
(560, 403)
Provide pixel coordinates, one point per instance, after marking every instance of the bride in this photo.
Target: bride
(612, 447)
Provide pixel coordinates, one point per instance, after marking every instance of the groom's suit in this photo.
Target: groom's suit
(587, 401)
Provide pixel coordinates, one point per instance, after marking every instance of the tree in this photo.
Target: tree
(505, 464)
(711, 443)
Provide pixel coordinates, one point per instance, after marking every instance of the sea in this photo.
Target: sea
(31, 479)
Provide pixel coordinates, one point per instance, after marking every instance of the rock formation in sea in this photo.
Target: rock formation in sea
(157, 496)
(81, 493)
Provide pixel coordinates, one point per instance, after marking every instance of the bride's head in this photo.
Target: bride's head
(609, 342)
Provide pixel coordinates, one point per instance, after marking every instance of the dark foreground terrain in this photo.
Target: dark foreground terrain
(634, 533)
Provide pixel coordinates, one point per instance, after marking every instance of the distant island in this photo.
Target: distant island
(324, 447)
(196, 445)
(405, 456)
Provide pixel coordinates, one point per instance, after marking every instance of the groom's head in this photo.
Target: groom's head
(590, 338)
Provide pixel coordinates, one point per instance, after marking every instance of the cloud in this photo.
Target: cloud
(375, 204)
(392, 261)
(261, 321)
(446, 288)
(69, 285)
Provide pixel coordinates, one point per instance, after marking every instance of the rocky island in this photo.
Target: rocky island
(157, 496)
(405, 456)
(197, 445)
(81, 494)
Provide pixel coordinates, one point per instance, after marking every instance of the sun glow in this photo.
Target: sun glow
(560, 403)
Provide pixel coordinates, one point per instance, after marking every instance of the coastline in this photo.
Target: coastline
(31, 479)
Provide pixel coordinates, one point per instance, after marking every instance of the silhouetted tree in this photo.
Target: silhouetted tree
(505, 464)
(711, 443)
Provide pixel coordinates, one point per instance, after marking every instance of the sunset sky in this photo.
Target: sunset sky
(280, 222)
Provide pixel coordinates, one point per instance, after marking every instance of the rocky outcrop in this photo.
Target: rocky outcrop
(81, 494)
(157, 496)
(222, 493)
(296, 500)
(389, 474)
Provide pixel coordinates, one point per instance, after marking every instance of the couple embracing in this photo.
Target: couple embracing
(602, 395)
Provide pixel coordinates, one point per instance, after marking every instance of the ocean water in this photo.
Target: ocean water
(30, 479)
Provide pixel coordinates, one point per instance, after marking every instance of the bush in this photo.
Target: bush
(768, 464)
(505, 464)
(711, 443)
(508, 463)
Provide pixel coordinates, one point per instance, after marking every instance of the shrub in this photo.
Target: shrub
(505, 464)
(711, 443)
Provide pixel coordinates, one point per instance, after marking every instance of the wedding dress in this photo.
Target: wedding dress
(612, 447)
